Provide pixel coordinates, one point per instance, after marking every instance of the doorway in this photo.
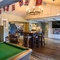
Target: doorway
(44, 27)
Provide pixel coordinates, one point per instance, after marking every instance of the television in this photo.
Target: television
(55, 24)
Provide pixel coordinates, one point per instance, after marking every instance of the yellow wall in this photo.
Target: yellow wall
(26, 27)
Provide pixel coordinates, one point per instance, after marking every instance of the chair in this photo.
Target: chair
(13, 38)
(36, 40)
(42, 40)
(28, 40)
(7, 39)
(39, 40)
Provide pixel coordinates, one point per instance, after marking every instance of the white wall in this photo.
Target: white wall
(50, 32)
(48, 10)
(10, 17)
(5, 31)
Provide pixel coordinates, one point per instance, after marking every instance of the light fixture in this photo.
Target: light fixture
(1, 0)
(58, 13)
(53, 0)
(34, 11)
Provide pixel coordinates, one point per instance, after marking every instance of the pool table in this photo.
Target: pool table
(10, 51)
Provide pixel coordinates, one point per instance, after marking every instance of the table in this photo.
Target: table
(10, 51)
(32, 40)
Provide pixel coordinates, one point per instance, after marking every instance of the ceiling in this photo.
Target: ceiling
(8, 2)
(22, 10)
(46, 19)
(55, 2)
